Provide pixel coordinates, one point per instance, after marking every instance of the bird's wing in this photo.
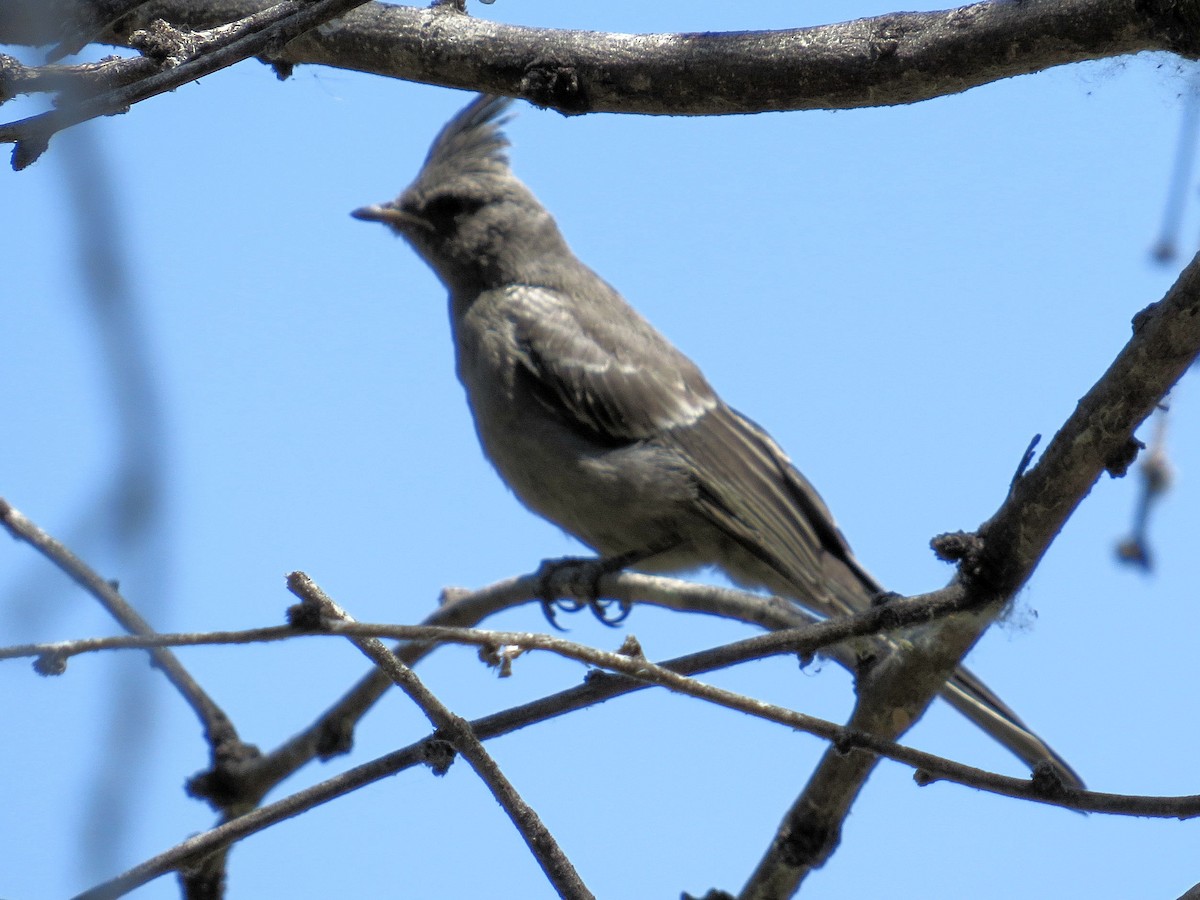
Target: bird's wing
(752, 492)
(612, 377)
(615, 379)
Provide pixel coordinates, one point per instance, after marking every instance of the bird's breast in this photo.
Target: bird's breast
(615, 499)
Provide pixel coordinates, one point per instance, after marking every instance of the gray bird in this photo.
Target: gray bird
(600, 425)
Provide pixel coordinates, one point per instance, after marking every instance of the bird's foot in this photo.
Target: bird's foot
(572, 583)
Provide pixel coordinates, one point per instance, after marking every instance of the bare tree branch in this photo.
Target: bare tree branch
(802, 640)
(1096, 438)
(222, 737)
(183, 57)
(884, 60)
(332, 732)
(17, 79)
(636, 674)
(456, 731)
(805, 641)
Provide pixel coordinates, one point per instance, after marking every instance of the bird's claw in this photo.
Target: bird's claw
(600, 607)
(580, 577)
(552, 605)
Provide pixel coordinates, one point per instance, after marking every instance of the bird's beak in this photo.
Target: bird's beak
(376, 212)
(389, 214)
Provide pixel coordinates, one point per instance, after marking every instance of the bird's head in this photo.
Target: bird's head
(468, 216)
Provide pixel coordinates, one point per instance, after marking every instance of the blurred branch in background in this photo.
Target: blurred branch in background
(1166, 246)
(123, 522)
(127, 510)
(1155, 470)
(1156, 474)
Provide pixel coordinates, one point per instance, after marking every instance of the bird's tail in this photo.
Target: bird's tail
(967, 693)
(793, 546)
(971, 697)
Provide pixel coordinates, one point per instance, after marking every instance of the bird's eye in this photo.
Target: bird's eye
(442, 211)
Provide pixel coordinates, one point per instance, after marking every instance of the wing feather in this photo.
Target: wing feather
(752, 492)
(616, 380)
(613, 378)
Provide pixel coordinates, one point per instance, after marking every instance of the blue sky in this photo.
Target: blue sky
(903, 297)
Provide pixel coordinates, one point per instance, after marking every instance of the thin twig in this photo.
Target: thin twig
(670, 675)
(805, 640)
(596, 690)
(457, 732)
(331, 733)
(218, 729)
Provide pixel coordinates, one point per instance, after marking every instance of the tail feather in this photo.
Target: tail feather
(971, 697)
(773, 507)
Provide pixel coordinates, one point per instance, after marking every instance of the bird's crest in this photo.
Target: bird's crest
(471, 144)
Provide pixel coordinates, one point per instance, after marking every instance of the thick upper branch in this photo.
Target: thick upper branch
(885, 60)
